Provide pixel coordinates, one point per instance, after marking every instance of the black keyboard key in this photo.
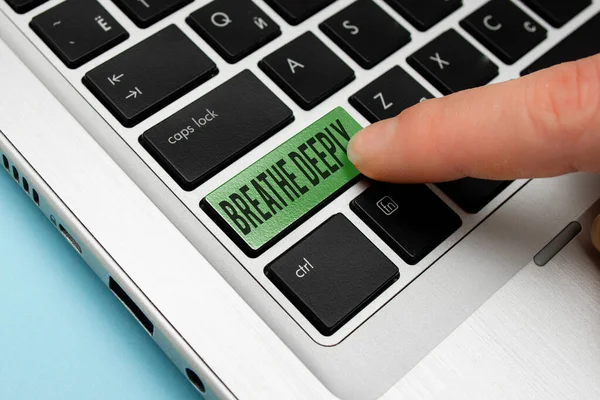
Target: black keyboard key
(558, 12)
(153, 73)
(452, 64)
(366, 32)
(307, 70)
(580, 44)
(332, 274)
(473, 194)
(389, 95)
(234, 28)
(296, 11)
(411, 219)
(22, 6)
(424, 14)
(146, 12)
(78, 30)
(212, 132)
(505, 29)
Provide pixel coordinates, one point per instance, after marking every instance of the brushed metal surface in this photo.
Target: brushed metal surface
(538, 338)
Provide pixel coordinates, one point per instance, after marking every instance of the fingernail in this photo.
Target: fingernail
(596, 233)
(371, 142)
(353, 151)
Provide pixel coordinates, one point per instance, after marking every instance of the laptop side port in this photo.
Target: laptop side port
(36, 197)
(195, 380)
(70, 238)
(162, 333)
(131, 306)
(25, 184)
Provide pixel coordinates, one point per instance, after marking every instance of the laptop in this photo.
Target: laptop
(193, 153)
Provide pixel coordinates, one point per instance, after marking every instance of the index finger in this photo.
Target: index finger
(545, 124)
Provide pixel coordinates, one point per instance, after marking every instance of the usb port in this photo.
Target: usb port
(133, 308)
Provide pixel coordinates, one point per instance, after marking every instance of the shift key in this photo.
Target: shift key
(203, 138)
(268, 199)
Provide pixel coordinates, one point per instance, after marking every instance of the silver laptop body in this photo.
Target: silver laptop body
(476, 318)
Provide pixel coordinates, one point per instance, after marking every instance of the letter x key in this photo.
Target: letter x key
(452, 64)
(439, 60)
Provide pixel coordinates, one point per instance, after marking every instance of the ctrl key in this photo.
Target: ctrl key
(332, 274)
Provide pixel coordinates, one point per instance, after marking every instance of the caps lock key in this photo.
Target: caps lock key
(201, 139)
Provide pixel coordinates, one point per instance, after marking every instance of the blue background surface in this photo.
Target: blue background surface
(63, 335)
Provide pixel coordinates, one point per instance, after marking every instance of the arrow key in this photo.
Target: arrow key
(148, 76)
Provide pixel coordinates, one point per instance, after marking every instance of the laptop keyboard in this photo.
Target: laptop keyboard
(335, 270)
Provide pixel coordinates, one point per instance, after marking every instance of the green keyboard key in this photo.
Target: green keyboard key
(264, 202)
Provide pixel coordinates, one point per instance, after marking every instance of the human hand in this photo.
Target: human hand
(545, 124)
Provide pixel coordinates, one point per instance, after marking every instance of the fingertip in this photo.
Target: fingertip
(370, 144)
(362, 146)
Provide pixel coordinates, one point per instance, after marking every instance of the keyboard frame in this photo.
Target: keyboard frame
(303, 118)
